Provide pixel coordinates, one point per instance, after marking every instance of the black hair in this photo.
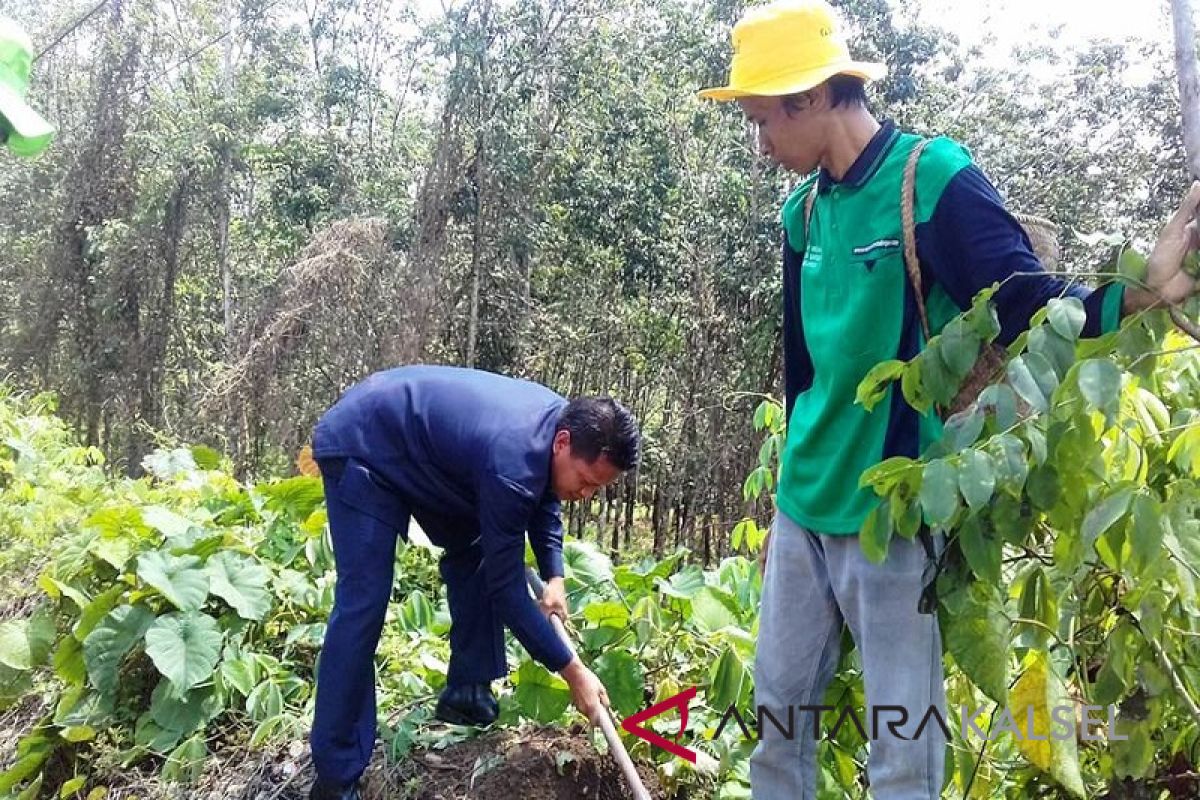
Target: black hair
(601, 426)
(844, 90)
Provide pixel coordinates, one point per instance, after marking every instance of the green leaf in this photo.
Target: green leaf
(297, 497)
(97, 610)
(1058, 352)
(876, 533)
(416, 612)
(265, 701)
(1043, 487)
(936, 377)
(1100, 384)
(105, 648)
(182, 580)
(1132, 264)
(887, 473)
(874, 387)
(1105, 514)
(1033, 378)
(912, 384)
(726, 679)
(1066, 316)
(1012, 468)
(982, 552)
(999, 399)
(1037, 603)
(56, 588)
(184, 714)
(540, 695)
(205, 457)
(167, 522)
(977, 478)
(241, 582)
(68, 661)
(586, 564)
(14, 644)
(26, 643)
(684, 584)
(1147, 535)
(185, 648)
(610, 615)
(115, 552)
(962, 430)
(958, 346)
(73, 786)
(185, 764)
(623, 678)
(939, 492)
(241, 673)
(978, 639)
(713, 609)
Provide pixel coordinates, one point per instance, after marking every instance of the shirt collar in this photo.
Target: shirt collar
(868, 161)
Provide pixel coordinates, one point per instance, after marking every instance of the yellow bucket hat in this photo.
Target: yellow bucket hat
(787, 47)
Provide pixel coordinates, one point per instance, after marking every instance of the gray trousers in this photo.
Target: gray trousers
(813, 584)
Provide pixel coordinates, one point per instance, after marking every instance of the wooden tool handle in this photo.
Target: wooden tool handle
(604, 719)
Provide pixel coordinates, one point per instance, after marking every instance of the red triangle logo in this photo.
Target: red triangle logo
(633, 724)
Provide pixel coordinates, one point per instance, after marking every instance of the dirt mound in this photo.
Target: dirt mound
(530, 764)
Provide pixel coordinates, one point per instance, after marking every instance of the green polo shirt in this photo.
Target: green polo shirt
(849, 305)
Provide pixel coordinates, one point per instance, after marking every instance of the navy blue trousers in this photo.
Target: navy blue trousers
(364, 547)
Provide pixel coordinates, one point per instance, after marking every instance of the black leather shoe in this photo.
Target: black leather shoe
(322, 790)
(468, 704)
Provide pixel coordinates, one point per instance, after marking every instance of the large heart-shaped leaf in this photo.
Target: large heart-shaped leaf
(623, 678)
(26, 643)
(180, 579)
(978, 638)
(713, 609)
(541, 695)
(242, 582)
(105, 647)
(183, 714)
(185, 648)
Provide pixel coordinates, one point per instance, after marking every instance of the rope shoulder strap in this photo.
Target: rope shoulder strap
(909, 228)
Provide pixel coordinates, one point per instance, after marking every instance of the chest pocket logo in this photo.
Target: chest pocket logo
(869, 255)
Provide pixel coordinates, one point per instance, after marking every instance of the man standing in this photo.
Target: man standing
(848, 305)
(23, 130)
(478, 460)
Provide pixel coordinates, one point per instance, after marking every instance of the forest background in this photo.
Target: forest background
(251, 205)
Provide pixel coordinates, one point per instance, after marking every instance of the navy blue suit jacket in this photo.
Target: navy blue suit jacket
(468, 454)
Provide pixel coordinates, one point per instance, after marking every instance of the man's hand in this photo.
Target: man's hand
(587, 692)
(554, 600)
(1166, 278)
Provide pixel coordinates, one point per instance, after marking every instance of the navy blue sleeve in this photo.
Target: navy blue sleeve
(797, 363)
(971, 242)
(546, 538)
(505, 509)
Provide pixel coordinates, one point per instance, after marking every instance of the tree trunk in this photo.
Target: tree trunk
(481, 185)
(631, 490)
(1189, 80)
(657, 520)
